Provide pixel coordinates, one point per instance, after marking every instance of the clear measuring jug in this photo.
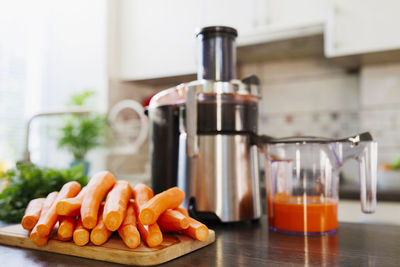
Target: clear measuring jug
(302, 180)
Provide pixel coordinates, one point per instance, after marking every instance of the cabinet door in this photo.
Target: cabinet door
(158, 38)
(238, 14)
(289, 13)
(361, 26)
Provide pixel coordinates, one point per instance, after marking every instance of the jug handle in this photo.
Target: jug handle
(368, 177)
(365, 151)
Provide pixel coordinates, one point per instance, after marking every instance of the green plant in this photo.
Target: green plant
(396, 163)
(81, 133)
(28, 181)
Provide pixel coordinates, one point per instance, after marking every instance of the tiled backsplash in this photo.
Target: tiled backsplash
(380, 107)
(306, 97)
(312, 96)
(323, 123)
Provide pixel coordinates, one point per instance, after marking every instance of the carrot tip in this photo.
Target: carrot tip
(89, 222)
(28, 223)
(60, 208)
(81, 238)
(43, 230)
(112, 222)
(155, 240)
(38, 240)
(98, 238)
(202, 233)
(133, 241)
(146, 216)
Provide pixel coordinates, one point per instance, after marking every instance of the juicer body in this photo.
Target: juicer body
(223, 179)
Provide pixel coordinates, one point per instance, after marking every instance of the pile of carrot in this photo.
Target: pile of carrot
(135, 213)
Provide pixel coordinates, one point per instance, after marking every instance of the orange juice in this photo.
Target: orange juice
(310, 214)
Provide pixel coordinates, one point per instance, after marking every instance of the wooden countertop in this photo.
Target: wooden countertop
(252, 244)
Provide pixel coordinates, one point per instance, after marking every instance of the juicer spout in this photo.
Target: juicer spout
(366, 136)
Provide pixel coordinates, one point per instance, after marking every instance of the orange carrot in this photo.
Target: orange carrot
(172, 220)
(66, 228)
(34, 235)
(71, 206)
(182, 210)
(97, 189)
(32, 213)
(48, 218)
(128, 230)
(38, 239)
(151, 234)
(142, 193)
(116, 205)
(100, 233)
(152, 209)
(81, 234)
(196, 230)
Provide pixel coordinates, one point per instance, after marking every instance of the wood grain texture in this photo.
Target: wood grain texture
(173, 246)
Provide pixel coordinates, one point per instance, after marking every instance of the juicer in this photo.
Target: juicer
(201, 135)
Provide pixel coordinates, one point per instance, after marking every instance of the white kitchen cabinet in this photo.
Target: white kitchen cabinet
(238, 14)
(277, 20)
(361, 26)
(157, 37)
(289, 13)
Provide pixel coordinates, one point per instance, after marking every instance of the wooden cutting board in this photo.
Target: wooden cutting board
(173, 246)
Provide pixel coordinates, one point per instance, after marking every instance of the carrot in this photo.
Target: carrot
(142, 193)
(172, 220)
(196, 230)
(32, 213)
(66, 228)
(182, 210)
(97, 189)
(38, 239)
(49, 217)
(151, 234)
(81, 234)
(34, 235)
(100, 233)
(152, 209)
(116, 205)
(71, 206)
(128, 230)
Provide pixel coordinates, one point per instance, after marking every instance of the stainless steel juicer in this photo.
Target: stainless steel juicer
(200, 135)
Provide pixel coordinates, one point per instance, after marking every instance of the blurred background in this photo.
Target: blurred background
(327, 68)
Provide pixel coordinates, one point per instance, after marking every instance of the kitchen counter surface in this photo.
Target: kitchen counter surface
(252, 244)
(353, 192)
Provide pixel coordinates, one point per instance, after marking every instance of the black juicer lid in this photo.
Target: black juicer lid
(212, 30)
(217, 53)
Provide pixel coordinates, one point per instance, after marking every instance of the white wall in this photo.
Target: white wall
(70, 45)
